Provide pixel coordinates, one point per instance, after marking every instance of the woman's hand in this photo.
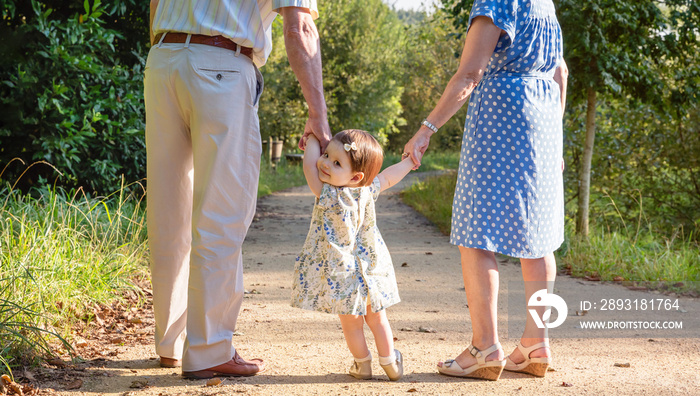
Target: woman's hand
(415, 148)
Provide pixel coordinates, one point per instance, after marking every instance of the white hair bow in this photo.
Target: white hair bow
(349, 147)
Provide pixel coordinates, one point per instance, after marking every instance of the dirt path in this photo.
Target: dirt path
(306, 353)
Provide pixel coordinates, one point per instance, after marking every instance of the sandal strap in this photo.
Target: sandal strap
(481, 355)
(527, 351)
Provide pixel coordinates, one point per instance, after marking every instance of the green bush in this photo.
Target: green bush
(68, 100)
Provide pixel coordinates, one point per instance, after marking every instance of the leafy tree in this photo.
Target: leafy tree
(430, 58)
(620, 49)
(360, 44)
(69, 101)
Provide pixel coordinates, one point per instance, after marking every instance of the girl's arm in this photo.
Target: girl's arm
(394, 174)
(312, 153)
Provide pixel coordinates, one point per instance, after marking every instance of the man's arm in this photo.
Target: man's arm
(154, 6)
(304, 53)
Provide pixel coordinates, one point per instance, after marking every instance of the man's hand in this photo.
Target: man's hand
(318, 128)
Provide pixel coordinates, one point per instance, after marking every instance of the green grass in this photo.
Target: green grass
(60, 254)
(431, 161)
(432, 197)
(640, 257)
(634, 255)
(284, 175)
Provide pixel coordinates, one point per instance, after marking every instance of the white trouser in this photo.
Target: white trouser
(203, 145)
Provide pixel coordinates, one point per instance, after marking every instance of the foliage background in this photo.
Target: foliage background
(71, 91)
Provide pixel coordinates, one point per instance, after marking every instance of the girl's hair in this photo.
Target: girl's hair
(368, 156)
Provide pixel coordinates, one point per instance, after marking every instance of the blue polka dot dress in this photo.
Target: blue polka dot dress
(509, 196)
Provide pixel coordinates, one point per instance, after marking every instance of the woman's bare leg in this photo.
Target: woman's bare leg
(537, 274)
(480, 274)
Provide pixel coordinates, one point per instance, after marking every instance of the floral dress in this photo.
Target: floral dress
(344, 265)
(509, 196)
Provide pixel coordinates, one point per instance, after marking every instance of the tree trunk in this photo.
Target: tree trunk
(584, 178)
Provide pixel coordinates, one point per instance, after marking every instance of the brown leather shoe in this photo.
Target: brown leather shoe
(170, 362)
(236, 367)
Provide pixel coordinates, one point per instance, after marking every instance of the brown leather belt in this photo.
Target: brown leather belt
(214, 41)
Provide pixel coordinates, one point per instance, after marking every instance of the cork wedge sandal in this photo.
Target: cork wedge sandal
(482, 369)
(533, 366)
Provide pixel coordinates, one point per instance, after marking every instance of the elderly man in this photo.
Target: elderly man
(202, 88)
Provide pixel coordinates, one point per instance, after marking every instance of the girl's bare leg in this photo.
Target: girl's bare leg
(353, 330)
(379, 325)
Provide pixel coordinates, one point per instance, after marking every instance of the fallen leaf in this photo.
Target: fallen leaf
(135, 320)
(404, 264)
(396, 339)
(621, 365)
(28, 375)
(428, 253)
(56, 362)
(520, 388)
(117, 340)
(74, 384)
(412, 390)
(618, 279)
(581, 313)
(406, 329)
(214, 382)
(427, 330)
(441, 338)
(138, 384)
(567, 384)
(16, 388)
(550, 368)
(5, 379)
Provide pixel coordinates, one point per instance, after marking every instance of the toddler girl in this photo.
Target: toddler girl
(344, 267)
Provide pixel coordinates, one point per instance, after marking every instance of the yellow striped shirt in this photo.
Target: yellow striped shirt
(246, 22)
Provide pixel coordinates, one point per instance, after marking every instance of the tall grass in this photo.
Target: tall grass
(283, 175)
(60, 254)
(640, 256)
(432, 197)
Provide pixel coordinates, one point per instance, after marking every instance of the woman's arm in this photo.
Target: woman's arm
(479, 45)
(561, 76)
(312, 153)
(394, 174)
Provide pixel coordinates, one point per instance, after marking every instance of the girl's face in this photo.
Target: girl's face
(334, 167)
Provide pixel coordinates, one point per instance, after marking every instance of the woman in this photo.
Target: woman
(509, 193)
